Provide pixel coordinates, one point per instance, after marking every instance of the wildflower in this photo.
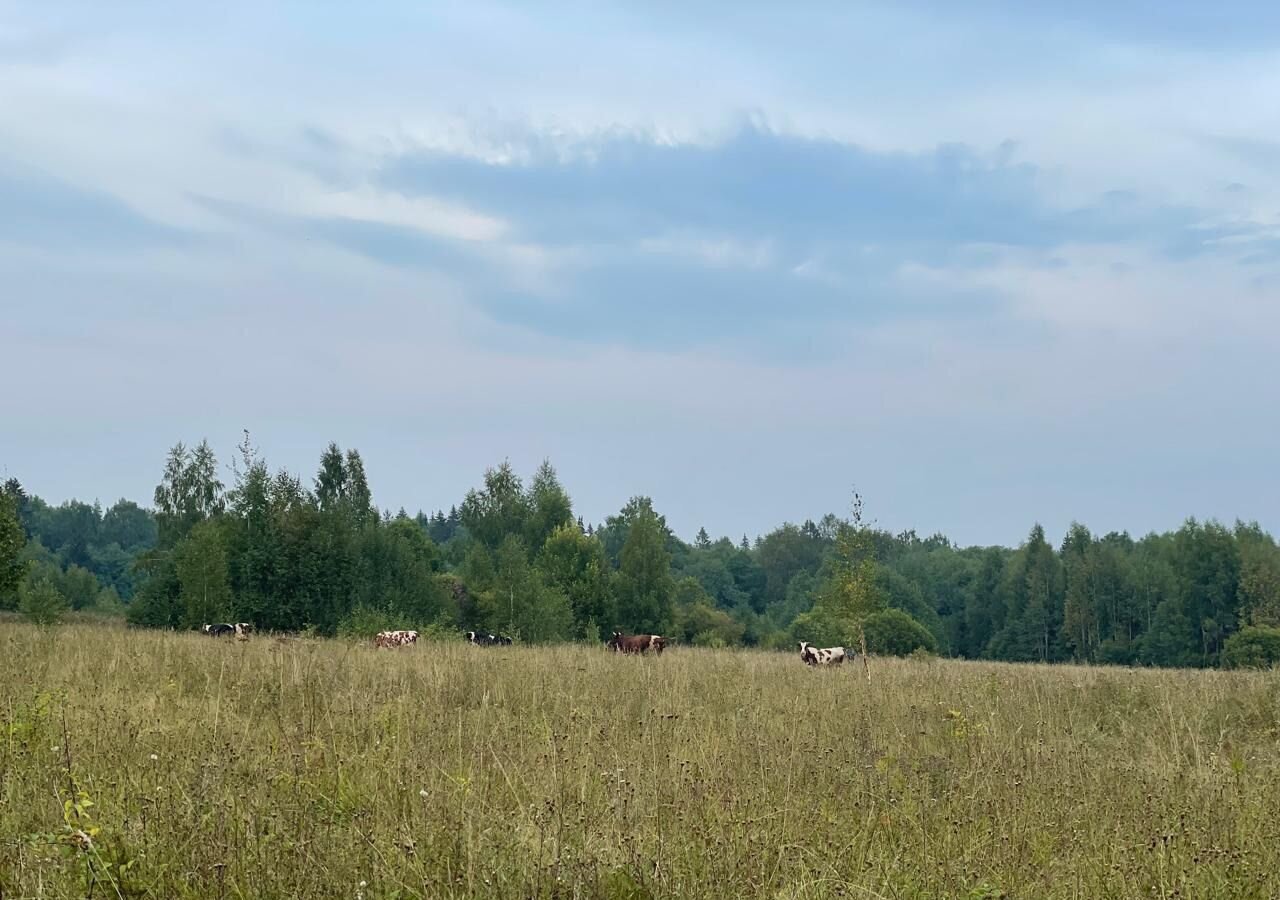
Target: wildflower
(423, 794)
(82, 840)
(154, 757)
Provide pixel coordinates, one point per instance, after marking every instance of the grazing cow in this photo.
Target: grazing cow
(636, 643)
(485, 639)
(501, 639)
(221, 629)
(814, 656)
(243, 630)
(395, 638)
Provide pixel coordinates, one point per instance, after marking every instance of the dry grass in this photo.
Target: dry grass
(321, 769)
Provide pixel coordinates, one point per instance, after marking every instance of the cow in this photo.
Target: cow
(636, 643)
(221, 629)
(243, 630)
(395, 638)
(485, 639)
(828, 656)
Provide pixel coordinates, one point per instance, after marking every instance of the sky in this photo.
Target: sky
(989, 264)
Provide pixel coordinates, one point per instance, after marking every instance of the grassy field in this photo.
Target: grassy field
(148, 764)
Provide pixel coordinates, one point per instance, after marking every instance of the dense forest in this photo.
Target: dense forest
(271, 549)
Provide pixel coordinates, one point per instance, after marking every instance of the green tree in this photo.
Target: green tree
(1032, 588)
(549, 506)
(12, 541)
(574, 564)
(189, 491)
(616, 529)
(901, 593)
(1080, 627)
(359, 497)
(1259, 588)
(1171, 640)
(331, 480)
(1208, 572)
(984, 608)
(497, 511)
(40, 601)
(200, 563)
(644, 576)
(849, 593)
(127, 525)
(782, 554)
(1253, 647)
(396, 571)
(79, 587)
(520, 601)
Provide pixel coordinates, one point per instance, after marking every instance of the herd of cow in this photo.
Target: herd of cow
(618, 642)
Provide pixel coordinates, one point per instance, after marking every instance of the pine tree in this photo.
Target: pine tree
(549, 506)
(41, 602)
(359, 498)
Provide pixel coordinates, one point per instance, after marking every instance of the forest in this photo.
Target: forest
(316, 555)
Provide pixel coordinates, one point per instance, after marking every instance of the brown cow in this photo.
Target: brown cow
(636, 643)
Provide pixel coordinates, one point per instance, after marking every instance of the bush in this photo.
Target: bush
(822, 629)
(40, 601)
(366, 621)
(1252, 647)
(1116, 653)
(894, 633)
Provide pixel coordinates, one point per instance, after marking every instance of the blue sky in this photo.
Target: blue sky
(991, 264)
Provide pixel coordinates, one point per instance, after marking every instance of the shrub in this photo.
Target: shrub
(366, 621)
(894, 633)
(1253, 647)
(41, 602)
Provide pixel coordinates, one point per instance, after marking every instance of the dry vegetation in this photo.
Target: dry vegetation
(150, 764)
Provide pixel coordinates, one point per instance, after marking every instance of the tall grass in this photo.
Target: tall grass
(148, 764)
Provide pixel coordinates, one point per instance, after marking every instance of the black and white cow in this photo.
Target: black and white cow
(485, 639)
(821, 656)
(225, 629)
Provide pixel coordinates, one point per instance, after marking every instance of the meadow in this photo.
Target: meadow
(143, 763)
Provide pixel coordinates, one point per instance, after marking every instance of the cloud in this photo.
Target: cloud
(41, 210)
(800, 246)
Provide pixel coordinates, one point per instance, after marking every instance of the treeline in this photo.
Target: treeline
(284, 554)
